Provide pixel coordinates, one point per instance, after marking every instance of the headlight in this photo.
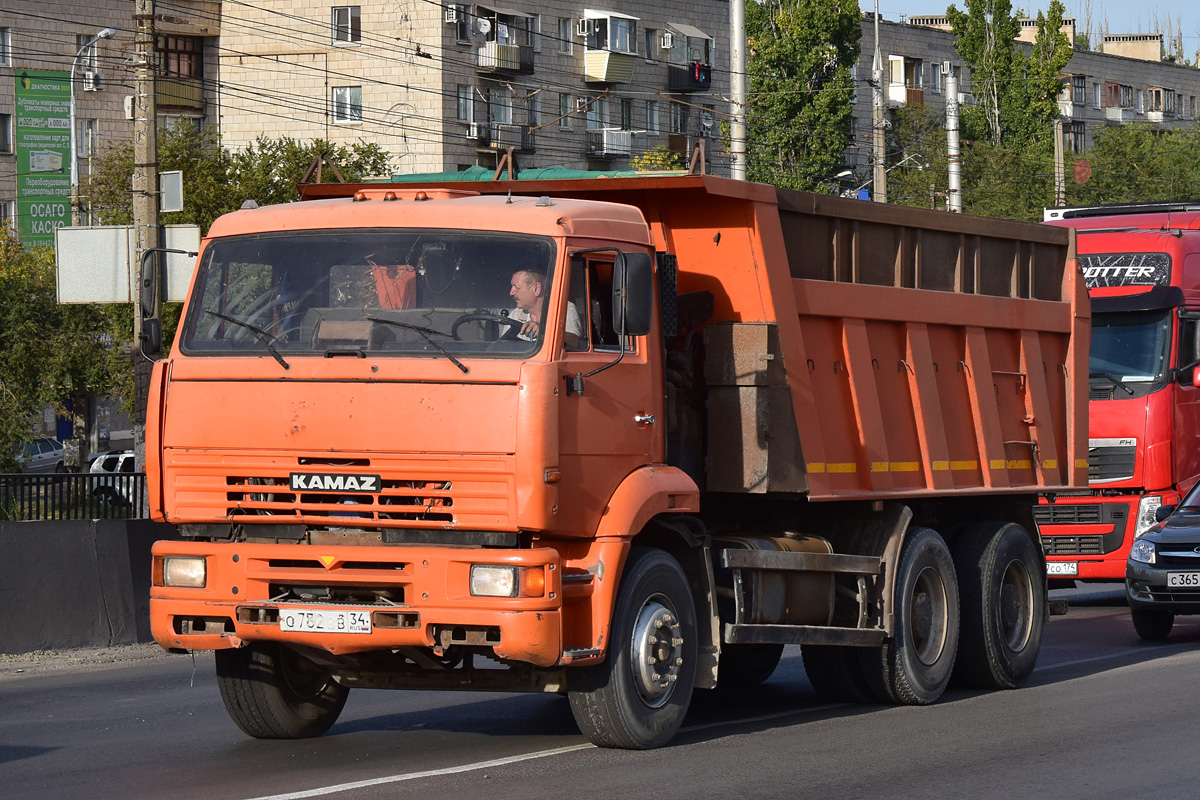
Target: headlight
(1145, 518)
(190, 572)
(1143, 551)
(493, 581)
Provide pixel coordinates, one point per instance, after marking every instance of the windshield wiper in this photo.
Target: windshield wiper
(1110, 377)
(264, 338)
(426, 334)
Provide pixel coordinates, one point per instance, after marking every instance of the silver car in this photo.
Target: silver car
(41, 456)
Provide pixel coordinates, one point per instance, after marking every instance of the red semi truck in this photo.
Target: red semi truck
(1141, 265)
(747, 417)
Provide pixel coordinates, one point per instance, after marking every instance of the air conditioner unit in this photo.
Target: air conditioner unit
(129, 106)
(91, 81)
(581, 103)
(666, 41)
(451, 15)
(476, 130)
(585, 27)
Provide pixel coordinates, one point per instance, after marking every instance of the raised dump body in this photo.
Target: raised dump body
(742, 417)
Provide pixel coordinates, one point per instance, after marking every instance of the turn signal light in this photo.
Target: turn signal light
(359, 196)
(533, 582)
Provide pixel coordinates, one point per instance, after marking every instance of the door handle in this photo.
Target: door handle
(643, 419)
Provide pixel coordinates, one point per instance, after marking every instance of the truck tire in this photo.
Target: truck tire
(273, 692)
(1152, 625)
(913, 667)
(1003, 605)
(747, 664)
(637, 698)
(836, 674)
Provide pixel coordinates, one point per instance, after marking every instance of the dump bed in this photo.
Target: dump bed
(859, 350)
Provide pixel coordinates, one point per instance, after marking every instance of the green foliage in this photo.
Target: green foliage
(1136, 163)
(917, 148)
(658, 159)
(48, 353)
(800, 53)
(268, 170)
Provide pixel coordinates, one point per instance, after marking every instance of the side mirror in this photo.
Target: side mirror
(1162, 512)
(633, 293)
(151, 338)
(1196, 376)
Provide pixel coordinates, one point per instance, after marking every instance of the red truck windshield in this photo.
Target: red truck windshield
(1130, 350)
(399, 292)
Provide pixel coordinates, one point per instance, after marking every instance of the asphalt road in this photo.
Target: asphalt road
(1104, 716)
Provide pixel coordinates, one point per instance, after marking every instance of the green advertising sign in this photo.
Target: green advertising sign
(43, 142)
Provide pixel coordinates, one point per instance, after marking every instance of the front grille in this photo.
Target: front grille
(1067, 514)
(1073, 545)
(1182, 561)
(1109, 464)
(423, 501)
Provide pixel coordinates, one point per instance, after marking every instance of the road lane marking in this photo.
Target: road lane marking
(430, 773)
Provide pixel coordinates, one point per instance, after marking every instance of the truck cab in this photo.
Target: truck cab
(1141, 265)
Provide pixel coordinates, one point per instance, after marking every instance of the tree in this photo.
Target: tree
(1137, 163)
(268, 170)
(50, 354)
(800, 53)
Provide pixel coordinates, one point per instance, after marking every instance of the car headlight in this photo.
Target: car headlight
(1143, 551)
(493, 581)
(191, 572)
(1145, 515)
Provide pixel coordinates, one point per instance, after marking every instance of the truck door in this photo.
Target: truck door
(614, 426)
(1187, 406)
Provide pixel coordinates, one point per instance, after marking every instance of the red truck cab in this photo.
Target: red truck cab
(1141, 265)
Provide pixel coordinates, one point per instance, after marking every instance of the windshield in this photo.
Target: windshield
(1130, 347)
(402, 292)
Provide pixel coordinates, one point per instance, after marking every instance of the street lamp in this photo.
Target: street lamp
(106, 33)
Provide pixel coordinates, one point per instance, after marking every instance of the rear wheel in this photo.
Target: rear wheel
(914, 666)
(637, 698)
(273, 692)
(1003, 605)
(747, 664)
(1152, 625)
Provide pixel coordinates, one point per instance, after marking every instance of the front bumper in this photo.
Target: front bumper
(422, 599)
(1146, 589)
(1093, 533)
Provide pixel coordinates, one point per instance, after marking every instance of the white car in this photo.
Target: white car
(118, 485)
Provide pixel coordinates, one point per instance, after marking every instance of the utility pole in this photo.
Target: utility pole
(145, 210)
(878, 110)
(737, 88)
(953, 152)
(1060, 177)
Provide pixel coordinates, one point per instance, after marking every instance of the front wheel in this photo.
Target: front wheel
(1003, 605)
(637, 698)
(273, 692)
(1152, 625)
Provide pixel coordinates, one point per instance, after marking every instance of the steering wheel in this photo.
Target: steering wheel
(482, 316)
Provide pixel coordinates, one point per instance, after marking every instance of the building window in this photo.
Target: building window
(679, 118)
(651, 116)
(1079, 90)
(566, 30)
(1073, 136)
(690, 50)
(1162, 100)
(347, 104)
(626, 114)
(533, 115)
(618, 34)
(564, 111)
(347, 24)
(466, 104)
(1097, 96)
(87, 55)
(1141, 101)
(595, 115)
(8, 214)
(651, 43)
(462, 24)
(6, 133)
(5, 47)
(533, 32)
(1118, 95)
(86, 147)
(500, 106)
(935, 78)
(179, 56)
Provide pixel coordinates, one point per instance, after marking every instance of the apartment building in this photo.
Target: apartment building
(1126, 82)
(444, 86)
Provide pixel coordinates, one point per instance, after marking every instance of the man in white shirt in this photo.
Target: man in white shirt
(528, 289)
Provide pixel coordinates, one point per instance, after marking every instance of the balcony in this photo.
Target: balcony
(178, 93)
(1066, 109)
(1160, 116)
(900, 96)
(503, 135)
(605, 66)
(1119, 116)
(497, 57)
(608, 143)
(694, 77)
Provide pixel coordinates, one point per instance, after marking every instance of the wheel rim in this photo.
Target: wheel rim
(928, 616)
(305, 680)
(1016, 605)
(656, 651)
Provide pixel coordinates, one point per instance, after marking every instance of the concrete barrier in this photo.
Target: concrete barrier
(76, 583)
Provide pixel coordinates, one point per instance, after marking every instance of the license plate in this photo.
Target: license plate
(1062, 567)
(1183, 580)
(320, 620)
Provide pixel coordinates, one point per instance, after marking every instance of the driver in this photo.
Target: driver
(528, 290)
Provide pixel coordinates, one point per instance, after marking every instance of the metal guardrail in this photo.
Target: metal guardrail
(65, 496)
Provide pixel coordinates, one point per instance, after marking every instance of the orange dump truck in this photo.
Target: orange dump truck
(619, 439)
